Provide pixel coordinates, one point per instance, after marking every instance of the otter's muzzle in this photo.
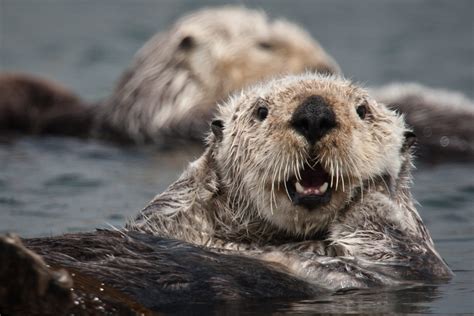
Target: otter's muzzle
(313, 119)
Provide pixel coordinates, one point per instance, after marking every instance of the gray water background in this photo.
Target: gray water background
(50, 186)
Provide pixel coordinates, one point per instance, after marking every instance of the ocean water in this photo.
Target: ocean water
(50, 186)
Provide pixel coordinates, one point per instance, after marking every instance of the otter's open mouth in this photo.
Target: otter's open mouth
(312, 189)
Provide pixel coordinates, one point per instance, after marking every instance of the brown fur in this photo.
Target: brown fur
(33, 105)
(111, 272)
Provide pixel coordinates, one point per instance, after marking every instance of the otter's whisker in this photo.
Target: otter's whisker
(341, 174)
(287, 193)
(299, 165)
(331, 171)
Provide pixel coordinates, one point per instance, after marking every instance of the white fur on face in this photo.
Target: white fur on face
(258, 157)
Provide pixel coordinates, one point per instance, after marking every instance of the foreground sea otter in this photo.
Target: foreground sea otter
(301, 158)
(307, 177)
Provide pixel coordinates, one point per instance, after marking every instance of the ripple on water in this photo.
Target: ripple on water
(451, 217)
(452, 201)
(467, 189)
(10, 201)
(35, 213)
(73, 180)
(115, 217)
(94, 54)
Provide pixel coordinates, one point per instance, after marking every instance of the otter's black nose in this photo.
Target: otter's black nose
(313, 118)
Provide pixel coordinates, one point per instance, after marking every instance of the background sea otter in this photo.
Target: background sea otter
(170, 90)
(175, 80)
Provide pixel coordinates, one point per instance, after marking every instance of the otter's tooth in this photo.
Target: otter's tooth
(299, 187)
(323, 188)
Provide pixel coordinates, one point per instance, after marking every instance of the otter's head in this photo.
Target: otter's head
(229, 48)
(179, 75)
(297, 150)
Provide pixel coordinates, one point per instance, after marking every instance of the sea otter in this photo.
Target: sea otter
(307, 178)
(173, 83)
(301, 158)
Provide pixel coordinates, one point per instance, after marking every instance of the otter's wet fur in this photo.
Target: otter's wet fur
(113, 272)
(128, 273)
(110, 273)
(237, 196)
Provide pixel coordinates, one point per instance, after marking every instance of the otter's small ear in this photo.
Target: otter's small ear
(410, 140)
(216, 127)
(187, 43)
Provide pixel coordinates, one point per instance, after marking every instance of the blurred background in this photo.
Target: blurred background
(86, 44)
(57, 185)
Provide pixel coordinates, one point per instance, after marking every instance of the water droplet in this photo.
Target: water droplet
(101, 289)
(444, 141)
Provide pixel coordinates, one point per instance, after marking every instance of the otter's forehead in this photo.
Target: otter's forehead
(235, 21)
(296, 89)
(285, 94)
(227, 21)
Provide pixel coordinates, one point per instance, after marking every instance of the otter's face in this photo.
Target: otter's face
(230, 48)
(298, 149)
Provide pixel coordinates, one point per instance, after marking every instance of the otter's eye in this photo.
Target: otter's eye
(262, 113)
(362, 111)
(265, 45)
(186, 43)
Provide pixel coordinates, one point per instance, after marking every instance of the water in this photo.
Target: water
(50, 186)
